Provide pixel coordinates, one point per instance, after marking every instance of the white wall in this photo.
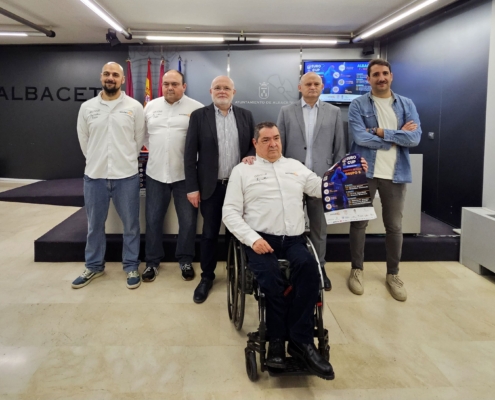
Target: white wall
(489, 168)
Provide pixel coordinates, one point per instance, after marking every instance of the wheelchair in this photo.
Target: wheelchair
(241, 282)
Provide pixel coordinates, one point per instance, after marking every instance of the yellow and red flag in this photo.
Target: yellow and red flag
(148, 90)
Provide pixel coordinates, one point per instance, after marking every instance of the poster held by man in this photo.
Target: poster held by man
(345, 192)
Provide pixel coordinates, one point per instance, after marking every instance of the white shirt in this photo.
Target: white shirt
(310, 115)
(268, 197)
(111, 137)
(385, 159)
(166, 129)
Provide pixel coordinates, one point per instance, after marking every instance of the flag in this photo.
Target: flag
(179, 68)
(129, 88)
(162, 72)
(148, 90)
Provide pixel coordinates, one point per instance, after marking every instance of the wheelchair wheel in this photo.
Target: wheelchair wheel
(240, 282)
(251, 367)
(231, 285)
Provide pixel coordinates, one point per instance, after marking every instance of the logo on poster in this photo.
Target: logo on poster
(264, 91)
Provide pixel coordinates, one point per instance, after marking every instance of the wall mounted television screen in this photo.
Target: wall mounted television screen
(343, 80)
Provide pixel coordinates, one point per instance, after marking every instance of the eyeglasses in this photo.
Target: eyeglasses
(222, 88)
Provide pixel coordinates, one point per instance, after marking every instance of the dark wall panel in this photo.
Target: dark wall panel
(37, 126)
(442, 64)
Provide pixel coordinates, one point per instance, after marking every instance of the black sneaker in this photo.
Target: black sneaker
(187, 271)
(149, 274)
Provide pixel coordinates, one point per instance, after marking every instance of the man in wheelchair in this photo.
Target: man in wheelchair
(263, 208)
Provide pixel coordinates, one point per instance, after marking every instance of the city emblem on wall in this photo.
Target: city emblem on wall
(264, 91)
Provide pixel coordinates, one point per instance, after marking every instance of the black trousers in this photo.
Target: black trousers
(287, 317)
(211, 210)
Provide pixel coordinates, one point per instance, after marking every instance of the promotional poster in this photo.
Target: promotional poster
(345, 192)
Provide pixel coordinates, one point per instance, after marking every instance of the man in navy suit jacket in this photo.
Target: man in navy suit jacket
(219, 137)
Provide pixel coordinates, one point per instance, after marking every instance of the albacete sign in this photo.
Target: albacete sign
(32, 93)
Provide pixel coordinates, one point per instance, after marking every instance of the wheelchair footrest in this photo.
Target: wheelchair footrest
(293, 368)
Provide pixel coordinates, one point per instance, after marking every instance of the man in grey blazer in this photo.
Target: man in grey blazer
(312, 132)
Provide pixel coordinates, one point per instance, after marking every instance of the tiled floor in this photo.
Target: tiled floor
(107, 342)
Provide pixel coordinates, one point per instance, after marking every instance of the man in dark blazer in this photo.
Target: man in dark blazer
(313, 133)
(219, 137)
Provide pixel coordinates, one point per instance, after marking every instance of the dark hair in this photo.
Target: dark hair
(180, 73)
(262, 125)
(379, 61)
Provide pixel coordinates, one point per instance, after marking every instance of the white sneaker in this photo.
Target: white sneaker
(396, 287)
(355, 281)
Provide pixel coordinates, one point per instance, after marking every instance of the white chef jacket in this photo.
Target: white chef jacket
(268, 197)
(166, 129)
(111, 137)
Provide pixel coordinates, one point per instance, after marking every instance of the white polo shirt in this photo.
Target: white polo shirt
(166, 129)
(268, 197)
(111, 134)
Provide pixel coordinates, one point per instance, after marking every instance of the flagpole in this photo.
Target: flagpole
(148, 89)
(162, 72)
(129, 86)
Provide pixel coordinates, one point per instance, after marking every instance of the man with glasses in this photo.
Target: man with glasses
(167, 120)
(219, 137)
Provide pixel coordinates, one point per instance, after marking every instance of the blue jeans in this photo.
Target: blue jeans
(292, 317)
(158, 196)
(125, 196)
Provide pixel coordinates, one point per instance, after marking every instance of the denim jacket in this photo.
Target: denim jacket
(362, 116)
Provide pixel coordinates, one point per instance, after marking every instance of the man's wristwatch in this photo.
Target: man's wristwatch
(373, 131)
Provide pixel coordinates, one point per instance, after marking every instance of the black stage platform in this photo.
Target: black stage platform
(66, 241)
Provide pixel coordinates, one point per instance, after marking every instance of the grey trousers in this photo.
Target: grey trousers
(392, 196)
(317, 227)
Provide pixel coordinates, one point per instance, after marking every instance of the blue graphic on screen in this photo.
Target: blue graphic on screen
(343, 81)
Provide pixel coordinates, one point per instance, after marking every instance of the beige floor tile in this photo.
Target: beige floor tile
(160, 324)
(394, 322)
(114, 369)
(385, 365)
(217, 369)
(464, 363)
(476, 317)
(17, 365)
(484, 392)
(216, 395)
(49, 324)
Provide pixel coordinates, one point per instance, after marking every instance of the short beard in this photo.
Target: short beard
(111, 91)
(222, 102)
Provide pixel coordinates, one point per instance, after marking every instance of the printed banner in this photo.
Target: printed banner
(345, 192)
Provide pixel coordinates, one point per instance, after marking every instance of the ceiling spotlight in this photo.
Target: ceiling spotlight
(112, 38)
(184, 38)
(105, 15)
(298, 41)
(392, 21)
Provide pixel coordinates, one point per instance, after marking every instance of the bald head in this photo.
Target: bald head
(115, 64)
(310, 87)
(222, 92)
(112, 78)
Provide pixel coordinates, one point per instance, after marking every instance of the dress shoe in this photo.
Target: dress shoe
(312, 359)
(327, 285)
(276, 354)
(201, 291)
